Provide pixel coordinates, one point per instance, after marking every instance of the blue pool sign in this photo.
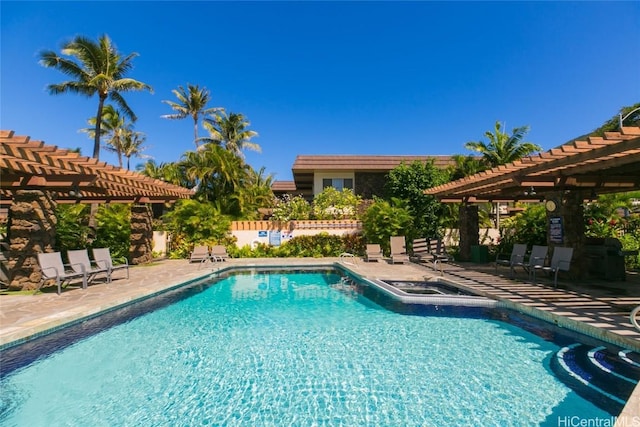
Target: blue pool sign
(262, 233)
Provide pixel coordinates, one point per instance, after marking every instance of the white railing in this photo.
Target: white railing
(635, 317)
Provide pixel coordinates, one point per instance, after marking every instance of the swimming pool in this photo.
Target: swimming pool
(300, 348)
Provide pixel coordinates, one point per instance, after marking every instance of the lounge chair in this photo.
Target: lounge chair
(438, 252)
(421, 249)
(219, 252)
(374, 252)
(53, 269)
(102, 257)
(398, 250)
(536, 259)
(560, 261)
(79, 261)
(199, 253)
(517, 257)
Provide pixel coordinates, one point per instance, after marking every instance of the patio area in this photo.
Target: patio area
(597, 308)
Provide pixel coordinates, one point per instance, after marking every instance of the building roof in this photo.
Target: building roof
(72, 178)
(595, 164)
(362, 163)
(306, 165)
(283, 186)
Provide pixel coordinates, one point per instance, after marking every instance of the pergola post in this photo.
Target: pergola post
(32, 229)
(569, 215)
(469, 230)
(141, 243)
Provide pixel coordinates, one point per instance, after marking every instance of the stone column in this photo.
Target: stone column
(469, 230)
(571, 213)
(32, 229)
(141, 244)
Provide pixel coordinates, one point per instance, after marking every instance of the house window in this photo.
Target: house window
(337, 183)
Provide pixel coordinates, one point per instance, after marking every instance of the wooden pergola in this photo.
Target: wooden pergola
(73, 178)
(595, 165)
(564, 176)
(35, 177)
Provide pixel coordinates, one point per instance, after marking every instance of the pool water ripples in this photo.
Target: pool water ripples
(289, 349)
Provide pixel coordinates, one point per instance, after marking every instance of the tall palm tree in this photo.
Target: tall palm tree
(230, 130)
(98, 69)
(503, 148)
(127, 144)
(192, 103)
(114, 129)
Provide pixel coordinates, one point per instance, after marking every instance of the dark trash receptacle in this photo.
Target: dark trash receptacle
(480, 254)
(606, 258)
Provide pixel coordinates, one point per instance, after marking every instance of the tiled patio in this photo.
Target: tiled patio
(598, 308)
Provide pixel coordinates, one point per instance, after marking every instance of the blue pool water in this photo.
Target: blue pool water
(293, 349)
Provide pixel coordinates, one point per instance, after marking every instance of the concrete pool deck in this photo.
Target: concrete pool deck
(597, 308)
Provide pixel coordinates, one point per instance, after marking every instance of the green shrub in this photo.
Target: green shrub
(291, 208)
(384, 219)
(334, 204)
(196, 223)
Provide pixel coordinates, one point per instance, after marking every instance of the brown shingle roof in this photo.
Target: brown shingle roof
(362, 163)
(283, 186)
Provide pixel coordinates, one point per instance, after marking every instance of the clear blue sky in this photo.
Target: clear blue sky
(335, 77)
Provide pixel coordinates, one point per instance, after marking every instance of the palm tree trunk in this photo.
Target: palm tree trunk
(93, 223)
(96, 141)
(195, 132)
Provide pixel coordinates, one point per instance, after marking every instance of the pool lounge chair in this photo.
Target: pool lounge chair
(438, 252)
(79, 261)
(199, 253)
(517, 257)
(420, 249)
(374, 252)
(53, 269)
(398, 250)
(560, 261)
(219, 252)
(536, 259)
(102, 257)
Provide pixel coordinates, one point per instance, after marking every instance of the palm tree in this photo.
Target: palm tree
(502, 148)
(99, 69)
(192, 103)
(128, 144)
(230, 130)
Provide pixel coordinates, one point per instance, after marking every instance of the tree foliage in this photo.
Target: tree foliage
(386, 218)
(408, 182)
(289, 208)
(332, 203)
(191, 222)
(98, 69)
(631, 117)
(503, 148)
(192, 102)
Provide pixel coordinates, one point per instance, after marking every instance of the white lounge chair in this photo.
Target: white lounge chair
(560, 261)
(517, 258)
(102, 257)
(53, 269)
(199, 253)
(398, 250)
(374, 252)
(219, 252)
(80, 262)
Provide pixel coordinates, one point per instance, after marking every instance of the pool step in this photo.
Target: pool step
(602, 376)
